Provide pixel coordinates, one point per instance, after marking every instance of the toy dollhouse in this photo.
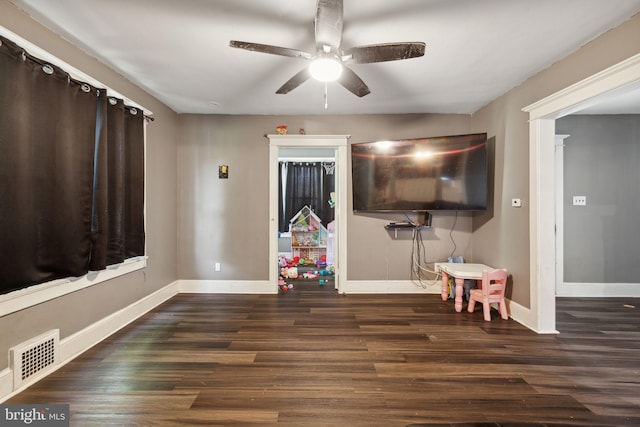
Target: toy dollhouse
(308, 236)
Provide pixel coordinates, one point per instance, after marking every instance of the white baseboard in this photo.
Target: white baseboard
(74, 345)
(265, 287)
(597, 290)
(517, 312)
(226, 287)
(6, 383)
(391, 287)
(525, 317)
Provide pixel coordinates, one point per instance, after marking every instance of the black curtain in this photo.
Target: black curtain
(118, 217)
(305, 184)
(47, 132)
(54, 174)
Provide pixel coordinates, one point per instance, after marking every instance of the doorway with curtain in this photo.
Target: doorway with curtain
(306, 219)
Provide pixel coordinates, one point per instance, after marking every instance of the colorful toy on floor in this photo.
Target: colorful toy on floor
(322, 272)
(282, 261)
(285, 287)
(289, 272)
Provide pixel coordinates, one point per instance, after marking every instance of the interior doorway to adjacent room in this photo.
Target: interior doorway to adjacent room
(306, 218)
(322, 147)
(613, 81)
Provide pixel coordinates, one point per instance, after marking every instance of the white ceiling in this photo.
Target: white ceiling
(476, 49)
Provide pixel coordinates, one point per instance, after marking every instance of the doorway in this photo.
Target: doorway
(306, 223)
(559, 210)
(542, 115)
(279, 147)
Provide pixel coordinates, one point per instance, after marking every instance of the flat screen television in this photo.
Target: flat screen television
(420, 175)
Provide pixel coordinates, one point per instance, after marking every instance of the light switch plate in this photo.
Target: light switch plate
(579, 200)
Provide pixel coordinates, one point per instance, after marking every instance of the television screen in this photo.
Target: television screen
(426, 174)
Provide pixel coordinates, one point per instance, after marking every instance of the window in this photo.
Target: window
(71, 176)
(306, 183)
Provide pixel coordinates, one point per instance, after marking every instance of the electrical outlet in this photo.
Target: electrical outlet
(579, 200)
(217, 266)
(516, 203)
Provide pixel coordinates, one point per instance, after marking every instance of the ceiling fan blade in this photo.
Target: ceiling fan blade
(295, 81)
(383, 52)
(329, 24)
(354, 84)
(274, 50)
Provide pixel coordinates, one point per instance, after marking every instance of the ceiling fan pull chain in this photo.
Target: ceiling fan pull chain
(326, 101)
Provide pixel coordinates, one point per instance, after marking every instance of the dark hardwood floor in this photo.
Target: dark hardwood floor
(316, 358)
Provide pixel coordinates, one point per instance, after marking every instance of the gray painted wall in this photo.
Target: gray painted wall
(501, 237)
(601, 158)
(78, 310)
(226, 220)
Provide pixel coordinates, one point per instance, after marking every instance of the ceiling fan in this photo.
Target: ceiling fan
(328, 63)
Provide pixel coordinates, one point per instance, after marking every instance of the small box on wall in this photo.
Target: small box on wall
(223, 171)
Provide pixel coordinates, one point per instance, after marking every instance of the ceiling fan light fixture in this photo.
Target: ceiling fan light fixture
(325, 69)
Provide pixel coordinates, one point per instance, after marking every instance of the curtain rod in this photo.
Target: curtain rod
(8, 35)
(306, 159)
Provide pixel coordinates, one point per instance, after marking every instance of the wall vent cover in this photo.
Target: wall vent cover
(34, 358)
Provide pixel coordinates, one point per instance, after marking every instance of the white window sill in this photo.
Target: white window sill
(37, 294)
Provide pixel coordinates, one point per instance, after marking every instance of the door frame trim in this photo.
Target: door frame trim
(339, 144)
(542, 117)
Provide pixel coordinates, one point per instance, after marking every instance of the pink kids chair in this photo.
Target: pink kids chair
(490, 290)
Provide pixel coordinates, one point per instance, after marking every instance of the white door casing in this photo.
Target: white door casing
(339, 144)
(542, 116)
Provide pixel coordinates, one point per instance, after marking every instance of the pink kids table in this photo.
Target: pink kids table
(459, 271)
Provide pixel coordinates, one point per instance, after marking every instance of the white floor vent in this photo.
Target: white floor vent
(35, 358)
